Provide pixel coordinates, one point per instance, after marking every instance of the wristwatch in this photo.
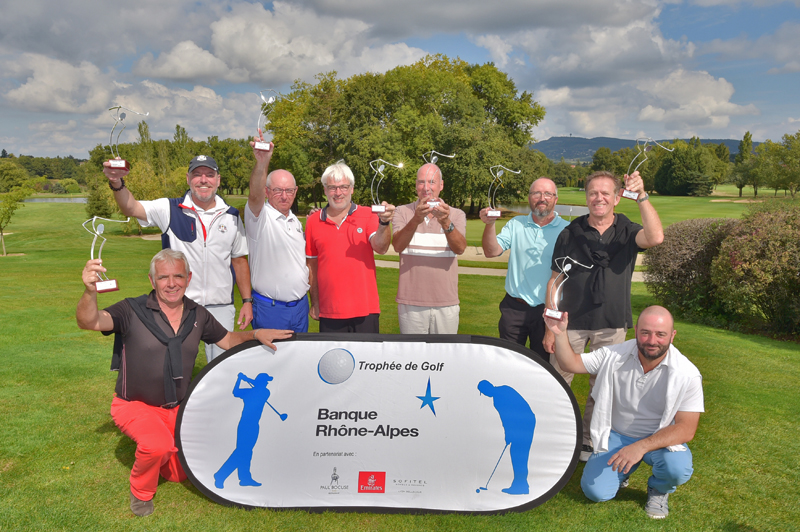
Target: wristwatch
(450, 228)
(642, 197)
(247, 300)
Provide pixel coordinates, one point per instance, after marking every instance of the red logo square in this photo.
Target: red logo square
(372, 482)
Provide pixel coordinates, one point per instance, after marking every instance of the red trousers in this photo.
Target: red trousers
(153, 430)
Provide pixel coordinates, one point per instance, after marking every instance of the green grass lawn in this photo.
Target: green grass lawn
(65, 466)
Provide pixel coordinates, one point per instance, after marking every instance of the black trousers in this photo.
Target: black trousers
(363, 324)
(520, 322)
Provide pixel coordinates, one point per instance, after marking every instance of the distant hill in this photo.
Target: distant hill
(582, 149)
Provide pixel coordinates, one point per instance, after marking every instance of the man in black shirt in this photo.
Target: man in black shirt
(601, 249)
(157, 342)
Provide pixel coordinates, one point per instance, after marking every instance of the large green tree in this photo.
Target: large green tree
(472, 111)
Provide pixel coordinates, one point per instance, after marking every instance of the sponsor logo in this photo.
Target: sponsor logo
(360, 230)
(372, 482)
(409, 485)
(334, 486)
(223, 228)
(201, 157)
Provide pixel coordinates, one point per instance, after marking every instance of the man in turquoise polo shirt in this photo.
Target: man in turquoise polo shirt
(531, 239)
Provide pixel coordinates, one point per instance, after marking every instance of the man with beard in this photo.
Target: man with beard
(428, 239)
(531, 239)
(601, 249)
(648, 400)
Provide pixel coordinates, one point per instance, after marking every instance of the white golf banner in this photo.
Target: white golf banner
(351, 422)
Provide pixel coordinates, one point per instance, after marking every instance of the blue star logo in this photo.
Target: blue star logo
(428, 399)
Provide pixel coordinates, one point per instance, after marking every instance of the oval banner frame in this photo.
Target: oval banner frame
(380, 423)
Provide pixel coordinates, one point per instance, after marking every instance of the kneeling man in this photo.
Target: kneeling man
(648, 402)
(157, 340)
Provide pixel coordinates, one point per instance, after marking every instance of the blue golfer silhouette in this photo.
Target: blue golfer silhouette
(254, 397)
(518, 423)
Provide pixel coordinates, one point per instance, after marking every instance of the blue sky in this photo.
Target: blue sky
(620, 68)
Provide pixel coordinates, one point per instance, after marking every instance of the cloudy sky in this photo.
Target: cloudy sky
(621, 68)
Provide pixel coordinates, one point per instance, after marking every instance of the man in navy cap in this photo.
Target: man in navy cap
(207, 230)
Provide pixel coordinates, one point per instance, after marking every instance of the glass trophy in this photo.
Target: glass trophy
(558, 285)
(644, 146)
(119, 119)
(263, 114)
(104, 284)
(493, 211)
(373, 188)
(434, 156)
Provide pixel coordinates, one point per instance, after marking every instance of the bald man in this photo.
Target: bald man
(648, 400)
(278, 269)
(429, 235)
(531, 240)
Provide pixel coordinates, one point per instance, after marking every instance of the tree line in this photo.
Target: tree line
(695, 169)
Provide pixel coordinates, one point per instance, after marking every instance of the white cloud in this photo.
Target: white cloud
(186, 61)
(780, 47)
(56, 86)
(498, 48)
(686, 101)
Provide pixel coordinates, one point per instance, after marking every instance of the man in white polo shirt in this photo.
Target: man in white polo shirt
(428, 235)
(207, 230)
(277, 244)
(648, 401)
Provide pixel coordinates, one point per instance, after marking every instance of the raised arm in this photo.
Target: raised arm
(87, 314)
(258, 177)
(383, 236)
(491, 247)
(652, 234)
(568, 359)
(127, 203)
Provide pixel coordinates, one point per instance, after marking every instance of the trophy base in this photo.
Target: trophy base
(379, 208)
(119, 163)
(630, 195)
(107, 286)
(493, 214)
(433, 204)
(263, 146)
(554, 314)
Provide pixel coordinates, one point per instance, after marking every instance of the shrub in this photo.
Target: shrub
(757, 270)
(679, 270)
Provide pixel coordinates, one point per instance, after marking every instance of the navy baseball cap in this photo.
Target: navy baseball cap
(203, 160)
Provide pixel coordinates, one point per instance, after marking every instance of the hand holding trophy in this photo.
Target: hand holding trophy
(493, 211)
(104, 284)
(119, 119)
(374, 188)
(434, 155)
(644, 146)
(558, 285)
(263, 115)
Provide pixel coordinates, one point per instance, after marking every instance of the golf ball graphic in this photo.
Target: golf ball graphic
(336, 366)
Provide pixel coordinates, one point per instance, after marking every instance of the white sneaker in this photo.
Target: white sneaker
(656, 507)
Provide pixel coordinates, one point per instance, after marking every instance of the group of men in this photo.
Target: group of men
(327, 271)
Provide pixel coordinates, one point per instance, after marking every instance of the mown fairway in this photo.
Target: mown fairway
(65, 466)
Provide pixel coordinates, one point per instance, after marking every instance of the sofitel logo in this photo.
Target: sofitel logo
(372, 482)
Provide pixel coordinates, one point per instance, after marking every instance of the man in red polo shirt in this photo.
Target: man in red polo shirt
(341, 240)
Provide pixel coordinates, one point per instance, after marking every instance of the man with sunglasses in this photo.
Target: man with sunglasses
(278, 269)
(531, 239)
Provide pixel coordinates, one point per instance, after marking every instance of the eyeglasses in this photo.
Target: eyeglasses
(547, 195)
(282, 191)
(334, 188)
